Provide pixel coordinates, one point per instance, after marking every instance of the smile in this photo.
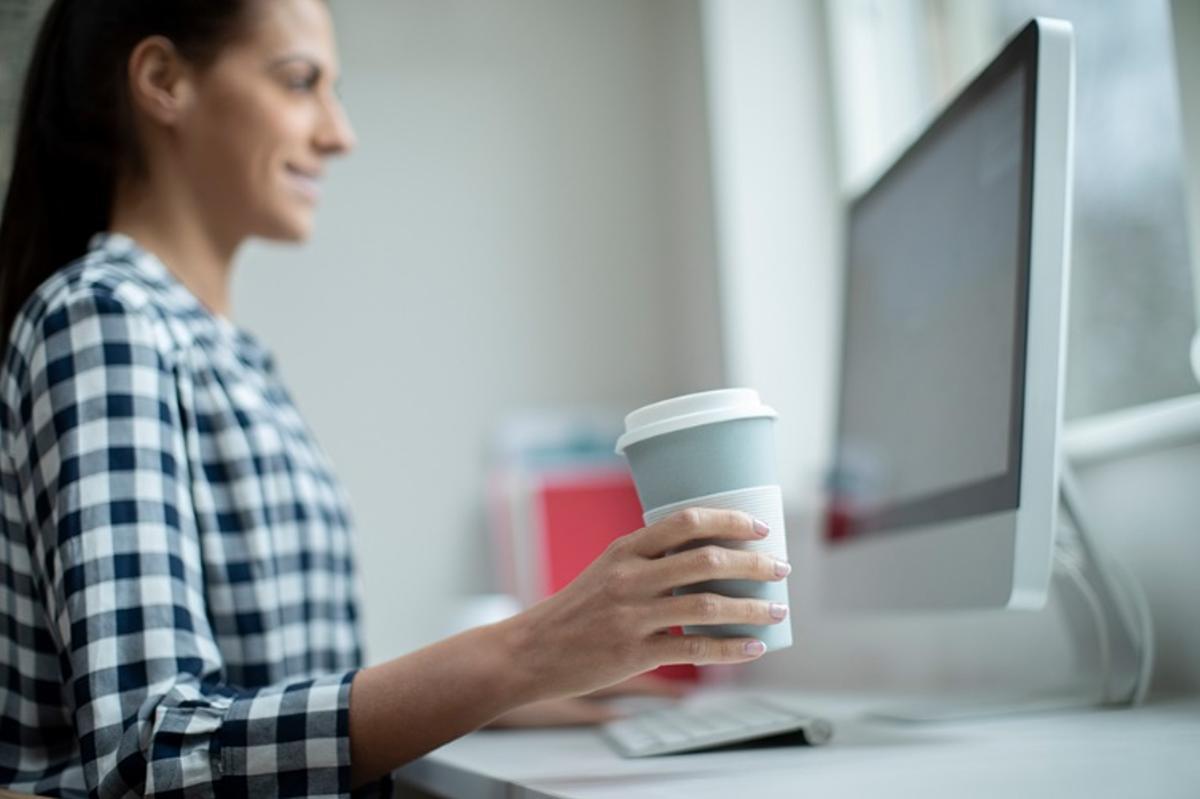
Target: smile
(305, 182)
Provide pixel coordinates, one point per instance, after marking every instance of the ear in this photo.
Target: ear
(160, 81)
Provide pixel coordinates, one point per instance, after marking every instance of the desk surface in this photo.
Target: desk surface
(1148, 751)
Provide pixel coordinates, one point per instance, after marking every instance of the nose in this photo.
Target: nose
(335, 136)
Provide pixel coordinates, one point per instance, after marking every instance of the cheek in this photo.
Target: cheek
(237, 145)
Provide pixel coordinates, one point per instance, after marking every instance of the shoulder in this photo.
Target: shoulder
(110, 293)
(107, 308)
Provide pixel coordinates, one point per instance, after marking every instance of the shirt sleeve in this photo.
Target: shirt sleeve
(102, 458)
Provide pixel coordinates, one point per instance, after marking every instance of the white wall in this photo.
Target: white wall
(1147, 509)
(525, 224)
(778, 219)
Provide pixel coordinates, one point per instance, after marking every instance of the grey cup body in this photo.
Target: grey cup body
(708, 459)
(728, 464)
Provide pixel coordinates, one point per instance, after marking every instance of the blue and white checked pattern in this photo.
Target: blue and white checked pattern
(178, 614)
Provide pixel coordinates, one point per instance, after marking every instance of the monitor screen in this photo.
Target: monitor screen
(933, 348)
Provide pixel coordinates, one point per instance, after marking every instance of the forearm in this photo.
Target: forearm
(410, 705)
(603, 627)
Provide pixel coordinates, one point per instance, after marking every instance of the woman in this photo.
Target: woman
(179, 601)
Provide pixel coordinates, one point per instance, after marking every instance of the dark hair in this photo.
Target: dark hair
(75, 131)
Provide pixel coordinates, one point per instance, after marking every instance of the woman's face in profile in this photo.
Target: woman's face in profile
(264, 120)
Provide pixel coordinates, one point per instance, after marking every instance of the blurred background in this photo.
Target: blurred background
(565, 209)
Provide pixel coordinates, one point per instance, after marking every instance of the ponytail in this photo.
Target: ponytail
(75, 127)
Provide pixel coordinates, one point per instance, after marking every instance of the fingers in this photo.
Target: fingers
(712, 562)
(701, 650)
(692, 524)
(705, 608)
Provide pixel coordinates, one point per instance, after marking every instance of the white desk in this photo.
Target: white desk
(1152, 751)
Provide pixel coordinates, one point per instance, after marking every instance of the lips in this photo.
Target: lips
(304, 181)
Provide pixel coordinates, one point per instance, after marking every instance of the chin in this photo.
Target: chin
(289, 228)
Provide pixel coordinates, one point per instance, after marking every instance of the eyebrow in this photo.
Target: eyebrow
(283, 60)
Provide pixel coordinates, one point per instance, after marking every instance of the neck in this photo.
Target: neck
(170, 224)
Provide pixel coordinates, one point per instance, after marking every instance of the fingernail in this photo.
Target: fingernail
(778, 611)
(782, 568)
(755, 648)
(760, 527)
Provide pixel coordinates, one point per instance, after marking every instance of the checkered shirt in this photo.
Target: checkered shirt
(178, 609)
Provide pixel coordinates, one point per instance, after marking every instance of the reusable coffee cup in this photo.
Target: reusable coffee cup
(714, 449)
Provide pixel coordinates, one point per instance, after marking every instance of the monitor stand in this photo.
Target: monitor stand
(1106, 615)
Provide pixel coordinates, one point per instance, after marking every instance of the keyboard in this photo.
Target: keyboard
(715, 723)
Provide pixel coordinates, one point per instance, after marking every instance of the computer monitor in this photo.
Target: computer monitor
(1185, 25)
(945, 486)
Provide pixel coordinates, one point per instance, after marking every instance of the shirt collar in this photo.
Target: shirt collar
(154, 271)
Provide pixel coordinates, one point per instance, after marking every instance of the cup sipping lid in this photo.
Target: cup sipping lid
(691, 410)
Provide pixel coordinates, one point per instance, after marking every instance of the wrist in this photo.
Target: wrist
(518, 658)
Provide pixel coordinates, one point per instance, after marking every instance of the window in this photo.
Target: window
(1132, 311)
(18, 26)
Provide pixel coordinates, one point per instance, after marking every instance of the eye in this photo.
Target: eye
(302, 81)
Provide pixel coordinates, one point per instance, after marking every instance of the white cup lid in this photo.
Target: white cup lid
(691, 410)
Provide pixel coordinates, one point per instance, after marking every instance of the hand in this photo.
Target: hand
(611, 622)
(579, 711)
(643, 685)
(565, 711)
